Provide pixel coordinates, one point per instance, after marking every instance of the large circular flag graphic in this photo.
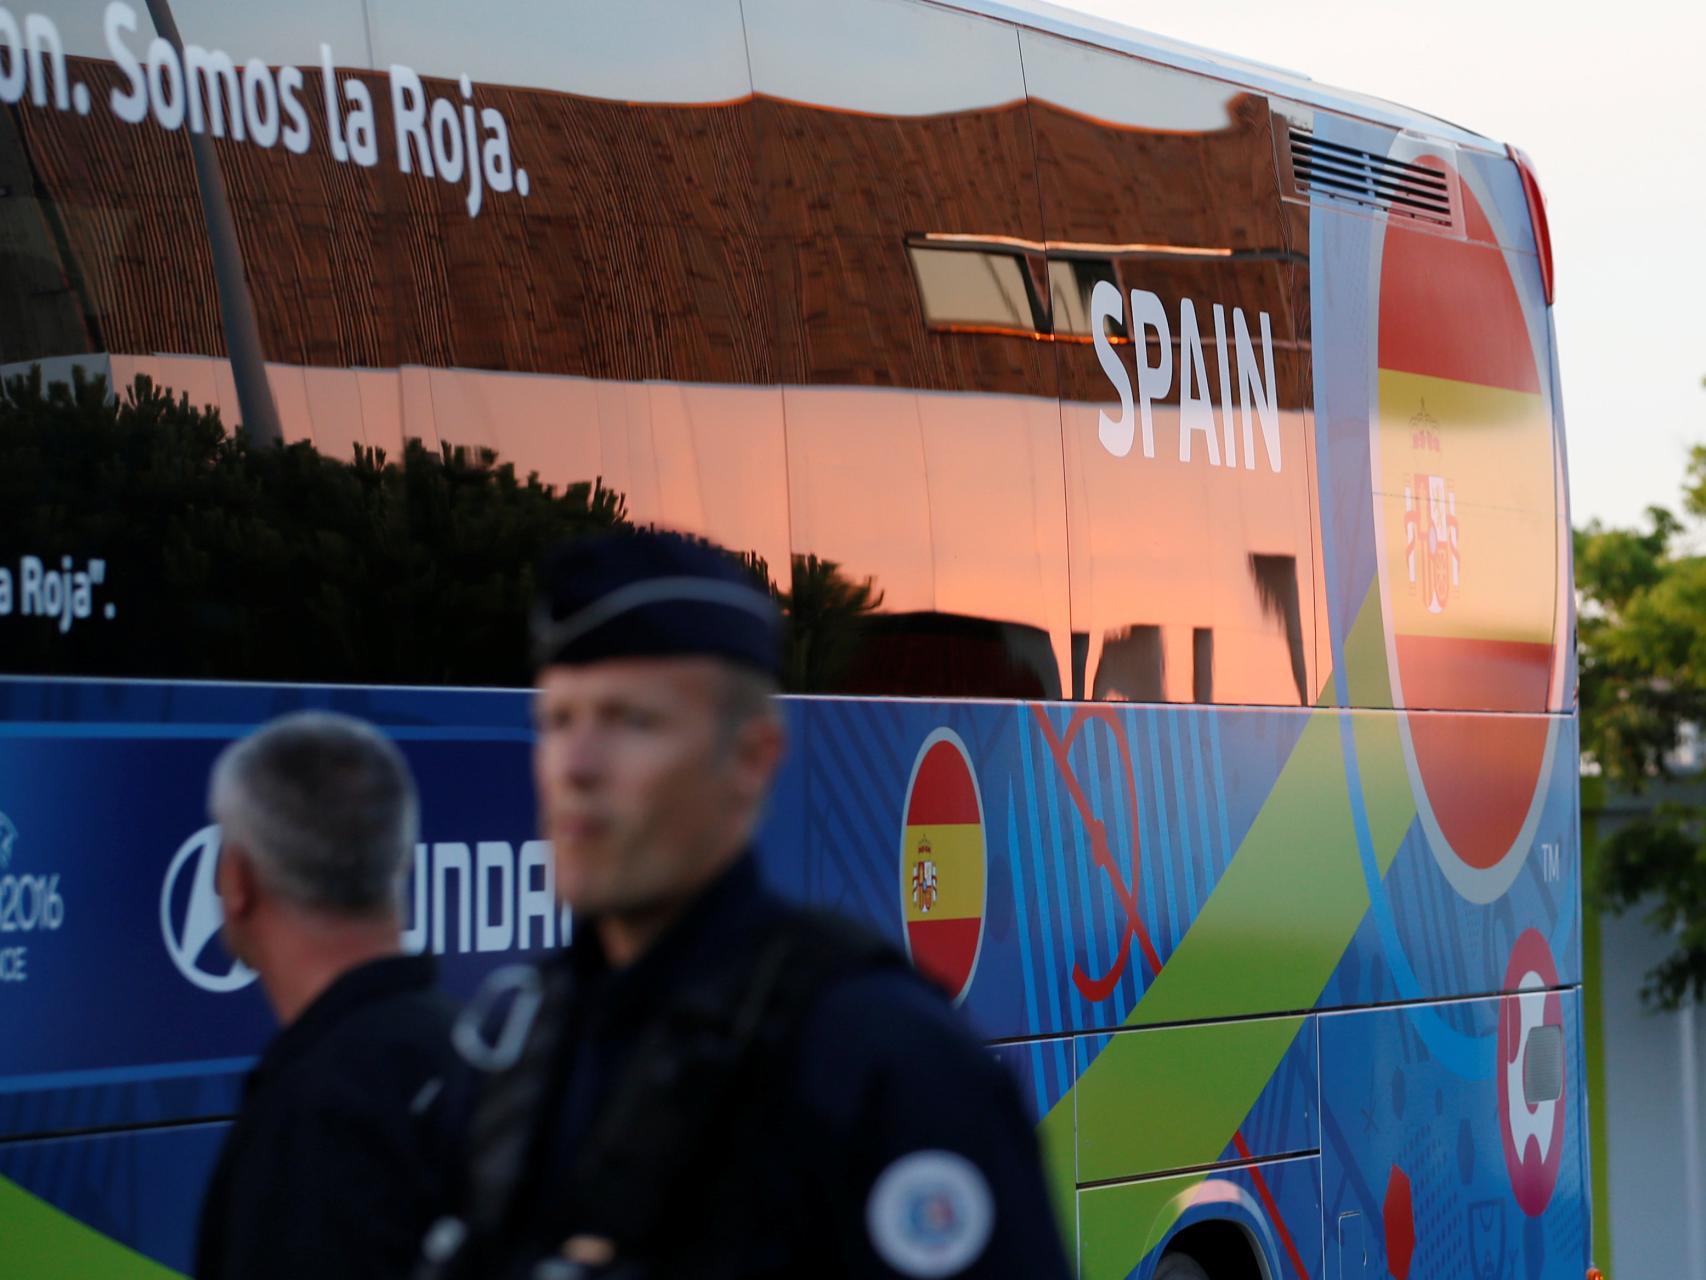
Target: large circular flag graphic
(1466, 512)
(1532, 1022)
(944, 879)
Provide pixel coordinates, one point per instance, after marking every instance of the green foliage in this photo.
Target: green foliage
(1660, 860)
(1642, 638)
(826, 612)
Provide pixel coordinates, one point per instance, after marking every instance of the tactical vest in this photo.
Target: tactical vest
(659, 1177)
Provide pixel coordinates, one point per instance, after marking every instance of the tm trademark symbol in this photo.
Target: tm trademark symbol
(1551, 858)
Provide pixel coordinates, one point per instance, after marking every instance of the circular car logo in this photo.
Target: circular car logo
(1533, 1133)
(943, 874)
(190, 916)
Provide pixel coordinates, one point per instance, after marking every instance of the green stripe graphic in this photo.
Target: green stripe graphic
(1267, 940)
(40, 1242)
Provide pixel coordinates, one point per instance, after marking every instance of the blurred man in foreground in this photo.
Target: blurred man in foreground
(339, 1158)
(715, 1083)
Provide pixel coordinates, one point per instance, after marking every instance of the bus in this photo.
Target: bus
(1158, 458)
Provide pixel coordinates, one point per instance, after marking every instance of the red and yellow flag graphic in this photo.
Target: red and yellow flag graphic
(943, 876)
(1465, 494)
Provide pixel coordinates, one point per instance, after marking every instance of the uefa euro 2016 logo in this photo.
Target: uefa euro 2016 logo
(8, 840)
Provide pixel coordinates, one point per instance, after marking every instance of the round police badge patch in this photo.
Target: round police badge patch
(930, 1214)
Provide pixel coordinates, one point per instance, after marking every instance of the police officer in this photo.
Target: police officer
(708, 1082)
(341, 1154)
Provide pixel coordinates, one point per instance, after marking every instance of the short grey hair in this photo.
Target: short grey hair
(326, 806)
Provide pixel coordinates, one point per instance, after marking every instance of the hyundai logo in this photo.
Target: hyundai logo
(191, 917)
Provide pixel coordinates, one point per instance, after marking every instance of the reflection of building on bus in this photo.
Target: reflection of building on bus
(731, 331)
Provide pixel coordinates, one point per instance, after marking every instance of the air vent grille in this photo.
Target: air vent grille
(1402, 188)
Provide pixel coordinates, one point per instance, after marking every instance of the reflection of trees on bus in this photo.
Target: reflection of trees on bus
(827, 614)
(244, 562)
(232, 561)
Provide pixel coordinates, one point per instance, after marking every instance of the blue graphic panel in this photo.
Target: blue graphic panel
(140, 1017)
(1043, 1071)
(1406, 1136)
(1106, 829)
(142, 1188)
(1441, 944)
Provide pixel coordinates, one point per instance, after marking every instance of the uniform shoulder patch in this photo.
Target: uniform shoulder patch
(930, 1213)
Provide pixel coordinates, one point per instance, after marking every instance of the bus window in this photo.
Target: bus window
(1072, 285)
(972, 290)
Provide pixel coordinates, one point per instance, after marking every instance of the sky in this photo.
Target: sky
(1605, 101)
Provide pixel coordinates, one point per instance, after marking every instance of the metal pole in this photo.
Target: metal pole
(236, 308)
(1693, 1183)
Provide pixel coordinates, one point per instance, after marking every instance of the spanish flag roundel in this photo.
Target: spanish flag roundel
(1464, 478)
(943, 874)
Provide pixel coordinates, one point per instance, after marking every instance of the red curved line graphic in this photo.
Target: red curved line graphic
(1271, 1205)
(1100, 988)
(1103, 856)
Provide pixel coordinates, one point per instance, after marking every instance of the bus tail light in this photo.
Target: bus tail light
(1537, 216)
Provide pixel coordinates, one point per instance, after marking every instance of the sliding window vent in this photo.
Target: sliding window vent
(1400, 187)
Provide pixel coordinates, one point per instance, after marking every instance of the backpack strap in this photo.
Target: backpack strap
(656, 1128)
(511, 1032)
(506, 1119)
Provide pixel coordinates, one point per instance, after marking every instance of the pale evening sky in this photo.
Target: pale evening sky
(1605, 100)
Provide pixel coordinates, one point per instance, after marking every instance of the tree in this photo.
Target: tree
(1642, 641)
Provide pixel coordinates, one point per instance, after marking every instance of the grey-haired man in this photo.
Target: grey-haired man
(339, 1157)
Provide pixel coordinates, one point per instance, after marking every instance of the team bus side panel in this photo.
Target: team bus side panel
(1157, 459)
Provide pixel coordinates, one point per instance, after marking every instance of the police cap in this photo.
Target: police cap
(647, 594)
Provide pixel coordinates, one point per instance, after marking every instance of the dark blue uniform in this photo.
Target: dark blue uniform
(875, 1138)
(341, 1155)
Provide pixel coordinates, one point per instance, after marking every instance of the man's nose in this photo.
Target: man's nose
(584, 756)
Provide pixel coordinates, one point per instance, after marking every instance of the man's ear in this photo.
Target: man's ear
(759, 746)
(237, 881)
